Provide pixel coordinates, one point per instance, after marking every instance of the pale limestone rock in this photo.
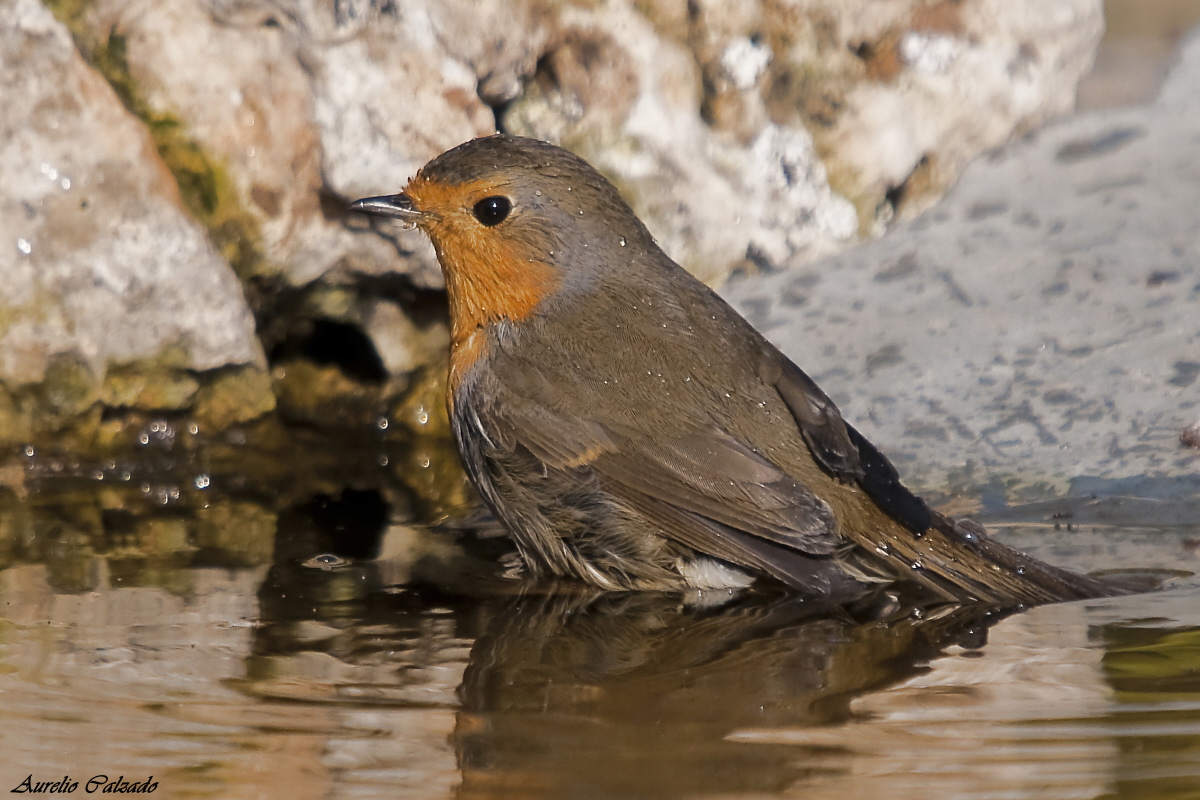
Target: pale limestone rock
(743, 132)
(308, 104)
(99, 260)
(685, 110)
(235, 77)
(688, 109)
(1038, 331)
(970, 76)
(402, 345)
(744, 60)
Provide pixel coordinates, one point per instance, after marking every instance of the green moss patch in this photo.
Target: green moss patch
(204, 186)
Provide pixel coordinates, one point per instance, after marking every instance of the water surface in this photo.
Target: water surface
(231, 638)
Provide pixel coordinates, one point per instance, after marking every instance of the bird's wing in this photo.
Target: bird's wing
(713, 475)
(703, 472)
(841, 450)
(704, 490)
(819, 421)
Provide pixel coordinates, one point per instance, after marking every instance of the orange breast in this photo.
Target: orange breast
(490, 276)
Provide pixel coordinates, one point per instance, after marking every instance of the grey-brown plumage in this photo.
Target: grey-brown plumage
(631, 430)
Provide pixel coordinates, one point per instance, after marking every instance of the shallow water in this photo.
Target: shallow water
(210, 638)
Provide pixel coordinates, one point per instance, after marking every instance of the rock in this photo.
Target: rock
(422, 411)
(747, 134)
(67, 390)
(767, 133)
(404, 346)
(629, 100)
(146, 387)
(306, 105)
(323, 395)
(102, 266)
(1035, 332)
(705, 114)
(232, 397)
(947, 81)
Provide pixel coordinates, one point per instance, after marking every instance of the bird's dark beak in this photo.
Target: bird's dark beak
(394, 206)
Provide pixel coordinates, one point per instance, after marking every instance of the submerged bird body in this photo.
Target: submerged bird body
(631, 430)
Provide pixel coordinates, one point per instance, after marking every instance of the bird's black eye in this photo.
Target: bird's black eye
(492, 210)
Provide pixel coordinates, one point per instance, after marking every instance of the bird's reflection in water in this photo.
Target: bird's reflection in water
(565, 692)
(634, 695)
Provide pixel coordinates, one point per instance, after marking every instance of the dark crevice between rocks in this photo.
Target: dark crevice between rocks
(898, 194)
(498, 103)
(755, 262)
(326, 371)
(342, 344)
(894, 196)
(296, 327)
(263, 293)
(905, 199)
(422, 306)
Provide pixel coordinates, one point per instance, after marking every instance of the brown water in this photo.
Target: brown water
(183, 617)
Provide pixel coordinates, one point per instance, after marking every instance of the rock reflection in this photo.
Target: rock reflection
(636, 695)
(382, 661)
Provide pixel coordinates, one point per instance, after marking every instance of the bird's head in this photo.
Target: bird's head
(514, 221)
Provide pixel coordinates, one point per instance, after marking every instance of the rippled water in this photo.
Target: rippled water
(314, 642)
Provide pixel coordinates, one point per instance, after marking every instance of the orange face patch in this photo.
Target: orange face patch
(490, 276)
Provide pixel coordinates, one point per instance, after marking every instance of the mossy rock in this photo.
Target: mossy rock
(149, 388)
(233, 396)
(67, 390)
(322, 395)
(64, 406)
(433, 471)
(158, 536)
(241, 533)
(15, 424)
(206, 188)
(422, 411)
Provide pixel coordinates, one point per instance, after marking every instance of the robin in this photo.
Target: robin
(632, 431)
